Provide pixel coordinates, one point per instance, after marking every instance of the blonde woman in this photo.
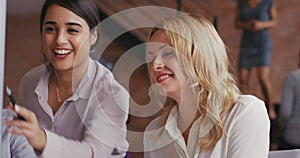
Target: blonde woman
(205, 115)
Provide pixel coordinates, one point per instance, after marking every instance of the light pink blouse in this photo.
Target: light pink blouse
(89, 124)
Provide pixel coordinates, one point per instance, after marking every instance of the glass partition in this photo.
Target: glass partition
(2, 50)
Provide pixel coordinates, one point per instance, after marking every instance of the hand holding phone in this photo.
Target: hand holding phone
(12, 101)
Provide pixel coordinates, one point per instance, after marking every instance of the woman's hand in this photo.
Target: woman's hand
(29, 128)
(257, 25)
(249, 26)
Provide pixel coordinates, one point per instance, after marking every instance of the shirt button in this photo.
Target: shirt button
(53, 126)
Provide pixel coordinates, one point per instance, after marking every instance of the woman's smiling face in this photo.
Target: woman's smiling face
(66, 38)
(165, 68)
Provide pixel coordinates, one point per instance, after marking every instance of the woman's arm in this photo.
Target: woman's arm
(105, 134)
(259, 25)
(286, 107)
(256, 25)
(238, 23)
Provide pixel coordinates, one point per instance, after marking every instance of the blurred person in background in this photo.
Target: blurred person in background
(289, 113)
(255, 17)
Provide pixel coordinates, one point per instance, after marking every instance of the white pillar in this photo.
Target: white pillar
(2, 51)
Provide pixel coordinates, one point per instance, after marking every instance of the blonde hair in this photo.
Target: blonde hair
(206, 63)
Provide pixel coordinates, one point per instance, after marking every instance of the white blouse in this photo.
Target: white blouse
(247, 128)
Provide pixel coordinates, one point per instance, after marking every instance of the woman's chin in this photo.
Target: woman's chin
(162, 91)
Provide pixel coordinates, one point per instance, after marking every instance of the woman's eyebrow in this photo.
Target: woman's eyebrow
(161, 47)
(73, 23)
(68, 23)
(50, 22)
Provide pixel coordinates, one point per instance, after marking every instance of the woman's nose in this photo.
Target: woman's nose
(61, 38)
(158, 65)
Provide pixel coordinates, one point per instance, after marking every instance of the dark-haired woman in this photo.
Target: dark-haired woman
(73, 106)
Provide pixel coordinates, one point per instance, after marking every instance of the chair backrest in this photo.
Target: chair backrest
(285, 154)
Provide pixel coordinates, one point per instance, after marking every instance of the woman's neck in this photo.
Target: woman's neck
(188, 111)
(68, 80)
(188, 114)
(63, 80)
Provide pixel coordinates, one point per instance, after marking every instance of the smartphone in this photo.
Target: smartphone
(12, 101)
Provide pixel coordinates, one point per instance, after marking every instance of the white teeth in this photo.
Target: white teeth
(163, 77)
(62, 51)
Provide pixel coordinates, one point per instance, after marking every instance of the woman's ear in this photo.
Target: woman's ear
(94, 36)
